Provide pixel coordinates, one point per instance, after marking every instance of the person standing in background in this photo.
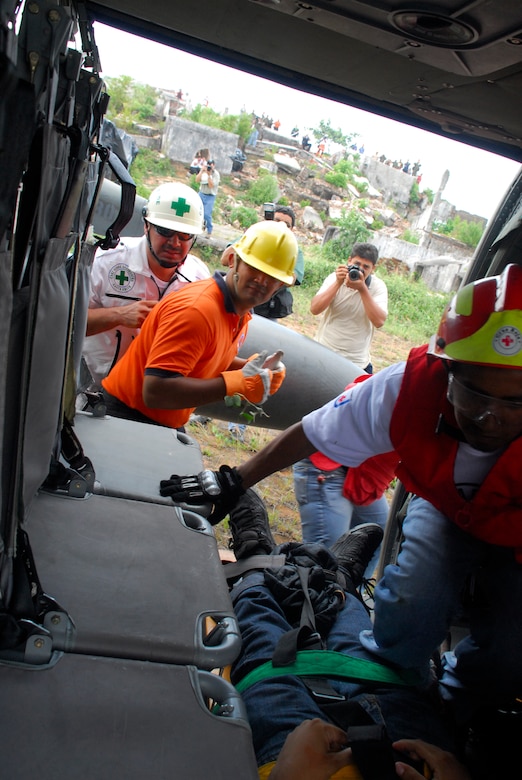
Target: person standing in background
(208, 180)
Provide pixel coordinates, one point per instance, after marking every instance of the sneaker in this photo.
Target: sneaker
(237, 434)
(354, 550)
(199, 419)
(249, 527)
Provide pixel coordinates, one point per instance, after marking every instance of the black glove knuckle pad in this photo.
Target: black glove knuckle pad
(221, 488)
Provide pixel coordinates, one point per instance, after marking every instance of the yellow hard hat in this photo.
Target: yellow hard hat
(271, 247)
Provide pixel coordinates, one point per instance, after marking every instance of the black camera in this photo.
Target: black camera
(209, 166)
(269, 209)
(354, 273)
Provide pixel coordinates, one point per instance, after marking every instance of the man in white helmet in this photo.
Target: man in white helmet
(186, 352)
(128, 281)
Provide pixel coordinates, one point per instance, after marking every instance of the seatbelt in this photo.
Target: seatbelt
(330, 664)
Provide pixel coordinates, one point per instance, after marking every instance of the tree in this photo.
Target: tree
(325, 129)
(130, 100)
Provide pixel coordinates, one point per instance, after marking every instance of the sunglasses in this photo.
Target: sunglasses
(478, 406)
(167, 233)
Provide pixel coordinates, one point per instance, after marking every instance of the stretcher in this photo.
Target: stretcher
(96, 718)
(113, 604)
(130, 458)
(137, 580)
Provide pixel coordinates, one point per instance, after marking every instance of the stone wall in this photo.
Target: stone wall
(182, 139)
(393, 184)
(438, 260)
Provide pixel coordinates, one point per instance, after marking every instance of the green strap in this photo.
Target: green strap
(328, 663)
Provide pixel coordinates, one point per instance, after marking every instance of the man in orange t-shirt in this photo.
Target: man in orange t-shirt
(186, 353)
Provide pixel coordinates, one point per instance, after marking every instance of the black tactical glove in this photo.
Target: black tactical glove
(220, 488)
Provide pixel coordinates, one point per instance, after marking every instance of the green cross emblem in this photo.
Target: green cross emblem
(122, 278)
(180, 206)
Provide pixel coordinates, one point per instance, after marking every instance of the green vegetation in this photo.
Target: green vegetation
(336, 178)
(414, 194)
(149, 163)
(244, 216)
(344, 172)
(410, 236)
(414, 309)
(130, 101)
(362, 187)
(335, 135)
(231, 123)
(264, 190)
(352, 227)
(463, 230)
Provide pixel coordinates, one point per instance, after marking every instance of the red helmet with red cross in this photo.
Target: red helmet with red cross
(483, 322)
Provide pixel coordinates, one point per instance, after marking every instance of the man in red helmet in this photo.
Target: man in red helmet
(453, 413)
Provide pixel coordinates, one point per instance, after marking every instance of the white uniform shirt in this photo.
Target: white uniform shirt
(356, 425)
(120, 277)
(344, 326)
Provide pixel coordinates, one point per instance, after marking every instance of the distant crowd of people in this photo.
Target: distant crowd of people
(406, 167)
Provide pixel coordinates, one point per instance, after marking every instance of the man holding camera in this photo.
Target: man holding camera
(208, 180)
(353, 302)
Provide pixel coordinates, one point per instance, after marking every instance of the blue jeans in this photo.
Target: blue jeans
(276, 706)
(325, 513)
(416, 600)
(208, 207)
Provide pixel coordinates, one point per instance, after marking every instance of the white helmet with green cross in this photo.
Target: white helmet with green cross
(175, 206)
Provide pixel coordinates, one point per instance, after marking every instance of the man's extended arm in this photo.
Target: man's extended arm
(181, 392)
(253, 379)
(287, 448)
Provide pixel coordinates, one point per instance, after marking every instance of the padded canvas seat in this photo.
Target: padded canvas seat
(138, 580)
(131, 458)
(92, 718)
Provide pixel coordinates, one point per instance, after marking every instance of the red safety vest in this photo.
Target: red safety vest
(427, 459)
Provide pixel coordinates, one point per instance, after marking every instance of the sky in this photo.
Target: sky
(477, 181)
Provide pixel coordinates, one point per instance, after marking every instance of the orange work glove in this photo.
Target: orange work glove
(252, 381)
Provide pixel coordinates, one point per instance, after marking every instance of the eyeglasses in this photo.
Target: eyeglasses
(167, 233)
(478, 406)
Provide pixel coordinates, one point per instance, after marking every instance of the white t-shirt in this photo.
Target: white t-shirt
(356, 425)
(344, 326)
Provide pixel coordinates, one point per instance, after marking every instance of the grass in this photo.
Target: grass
(218, 447)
